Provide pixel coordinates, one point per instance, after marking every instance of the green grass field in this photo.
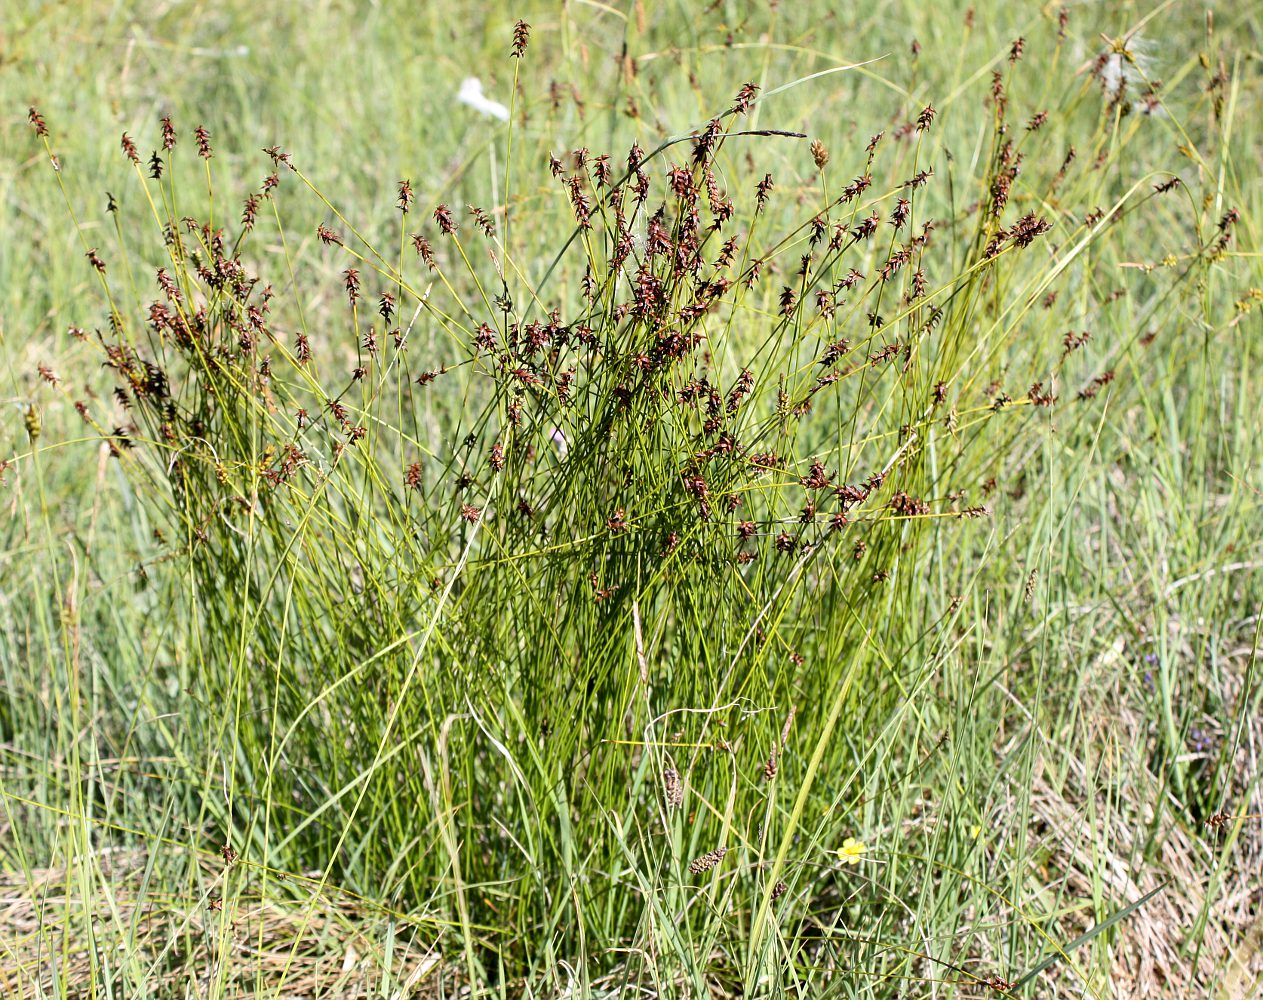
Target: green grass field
(771, 510)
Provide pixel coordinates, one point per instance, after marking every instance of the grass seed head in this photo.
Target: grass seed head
(699, 866)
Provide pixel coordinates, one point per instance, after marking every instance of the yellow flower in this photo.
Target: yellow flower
(852, 852)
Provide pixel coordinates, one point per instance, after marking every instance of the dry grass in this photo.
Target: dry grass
(293, 947)
(1208, 873)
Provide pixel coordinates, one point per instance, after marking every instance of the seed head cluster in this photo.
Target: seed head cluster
(666, 399)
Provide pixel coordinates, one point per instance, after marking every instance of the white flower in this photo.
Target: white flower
(1113, 73)
(1134, 73)
(471, 93)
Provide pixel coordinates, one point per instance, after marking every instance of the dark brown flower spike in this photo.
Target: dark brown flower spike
(202, 135)
(521, 38)
(443, 216)
(745, 98)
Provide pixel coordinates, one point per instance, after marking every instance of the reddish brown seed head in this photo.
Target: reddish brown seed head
(745, 97)
(521, 38)
(443, 217)
(423, 249)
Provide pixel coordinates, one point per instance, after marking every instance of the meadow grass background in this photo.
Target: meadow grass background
(439, 762)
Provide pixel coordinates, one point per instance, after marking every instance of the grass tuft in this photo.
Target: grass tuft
(755, 521)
